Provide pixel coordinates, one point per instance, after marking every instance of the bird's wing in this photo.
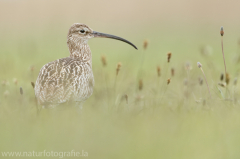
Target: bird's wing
(56, 81)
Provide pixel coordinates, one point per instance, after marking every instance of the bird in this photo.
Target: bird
(70, 79)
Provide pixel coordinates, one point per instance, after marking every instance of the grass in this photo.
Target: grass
(177, 120)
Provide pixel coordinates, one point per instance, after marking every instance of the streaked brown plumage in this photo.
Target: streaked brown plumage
(70, 79)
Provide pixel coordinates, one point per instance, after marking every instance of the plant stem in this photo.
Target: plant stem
(223, 56)
(206, 81)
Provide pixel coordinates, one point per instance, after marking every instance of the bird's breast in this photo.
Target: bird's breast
(83, 85)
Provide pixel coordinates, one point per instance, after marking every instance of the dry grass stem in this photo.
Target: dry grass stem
(222, 33)
(200, 66)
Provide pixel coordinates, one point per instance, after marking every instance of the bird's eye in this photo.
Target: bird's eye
(82, 31)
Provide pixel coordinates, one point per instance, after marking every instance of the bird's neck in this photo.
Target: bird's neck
(80, 51)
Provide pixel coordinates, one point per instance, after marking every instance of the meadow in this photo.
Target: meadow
(126, 118)
(143, 106)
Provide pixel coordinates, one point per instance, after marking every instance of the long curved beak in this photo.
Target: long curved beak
(103, 35)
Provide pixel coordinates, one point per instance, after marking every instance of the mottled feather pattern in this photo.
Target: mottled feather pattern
(64, 80)
(67, 79)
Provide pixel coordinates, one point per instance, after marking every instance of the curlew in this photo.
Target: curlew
(70, 79)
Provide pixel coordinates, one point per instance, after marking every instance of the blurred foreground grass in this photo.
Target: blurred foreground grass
(178, 120)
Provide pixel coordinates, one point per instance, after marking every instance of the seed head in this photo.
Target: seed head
(222, 77)
(21, 91)
(222, 84)
(169, 55)
(158, 71)
(104, 61)
(33, 85)
(221, 31)
(4, 83)
(6, 93)
(172, 71)
(199, 64)
(32, 68)
(185, 81)
(118, 67)
(235, 81)
(139, 97)
(227, 78)
(204, 102)
(168, 81)
(15, 81)
(145, 44)
(140, 84)
(125, 96)
(188, 66)
(200, 80)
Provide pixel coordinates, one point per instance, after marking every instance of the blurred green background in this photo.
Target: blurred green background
(178, 120)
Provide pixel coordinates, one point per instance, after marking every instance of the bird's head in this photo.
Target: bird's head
(81, 33)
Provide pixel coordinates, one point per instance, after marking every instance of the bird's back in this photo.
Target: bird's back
(64, 80)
